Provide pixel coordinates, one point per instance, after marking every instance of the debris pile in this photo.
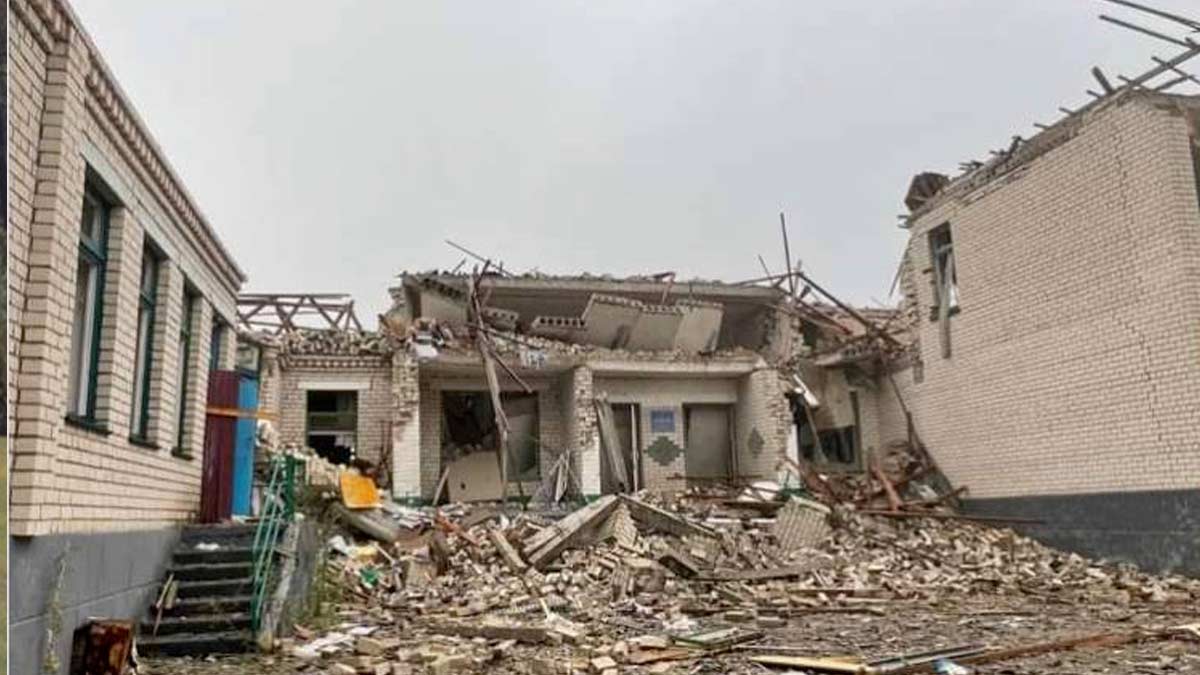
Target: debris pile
(326, 342)
(655, 583)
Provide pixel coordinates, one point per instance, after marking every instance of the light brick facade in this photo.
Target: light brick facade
(369, 377)
(69, 124)
(1075, 361)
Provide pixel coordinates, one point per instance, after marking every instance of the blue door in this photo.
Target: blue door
(243, 449)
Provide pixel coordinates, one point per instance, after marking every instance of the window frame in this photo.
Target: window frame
(216, 339)
(139, 419)
(95, 253)
(941, 254)
(190, 298)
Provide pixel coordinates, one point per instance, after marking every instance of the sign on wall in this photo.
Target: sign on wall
(662, 421)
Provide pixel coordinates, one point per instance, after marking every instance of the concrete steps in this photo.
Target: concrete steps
(190, 644)
(212, 566)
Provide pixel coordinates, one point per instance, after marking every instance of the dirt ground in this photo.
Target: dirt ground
(903, 628)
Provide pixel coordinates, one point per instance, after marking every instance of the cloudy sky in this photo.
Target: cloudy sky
(334, 144)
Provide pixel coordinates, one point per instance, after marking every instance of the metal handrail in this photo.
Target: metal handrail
(278, 509)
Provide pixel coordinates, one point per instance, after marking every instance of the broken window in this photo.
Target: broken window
(469, 425)
(945, 276)
(836, 448)
(945, 281)
(332, 419)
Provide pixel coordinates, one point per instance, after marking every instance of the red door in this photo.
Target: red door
(216, 486)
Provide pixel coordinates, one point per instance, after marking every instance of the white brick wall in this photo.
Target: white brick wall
(372, 379)
(551, 427)
(670, 394)
(65, 118)
(1076, 357)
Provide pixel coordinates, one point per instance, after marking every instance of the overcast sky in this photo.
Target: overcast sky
(334, 144)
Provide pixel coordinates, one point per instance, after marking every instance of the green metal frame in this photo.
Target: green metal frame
(185, 337)
(96, 252)
(278, 511)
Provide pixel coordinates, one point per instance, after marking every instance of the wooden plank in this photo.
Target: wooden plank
(507, 552)
(644, 656)
(816, 665)
(609, 443)
(892, 498)
(786, 572)
(241, 413)
(1086, 641)
(951, 516)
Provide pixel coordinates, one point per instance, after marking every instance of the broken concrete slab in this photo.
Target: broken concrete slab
(656, 328)
(473, 477)
(662, 520)
(609, 320)
(700, 326)
(801, 523)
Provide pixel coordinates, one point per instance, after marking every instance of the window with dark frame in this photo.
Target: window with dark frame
(143, 366)
(214, 352)
(945, 274)
(185, 358)
(89, 294)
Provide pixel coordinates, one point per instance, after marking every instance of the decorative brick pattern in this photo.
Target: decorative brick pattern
(762, 421)
(669, 393)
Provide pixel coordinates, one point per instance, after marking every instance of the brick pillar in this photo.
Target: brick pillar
(270, 382)
(164, 366)
(197, 391)
(118, 334)
(406, 428)
(44, 352)
(582, 435)
(228, 357)
(762, 419)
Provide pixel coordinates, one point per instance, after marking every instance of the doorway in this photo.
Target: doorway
(625, 424)
(709, 448)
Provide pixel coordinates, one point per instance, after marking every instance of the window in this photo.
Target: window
(145, 345)
(185, 358)
(332, 424)
(214, 352)
(89, 291)
(945, 276)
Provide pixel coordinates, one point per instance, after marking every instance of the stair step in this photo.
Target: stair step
(186, 555)
(215, 587)
(198, 624)
(211, 604)
(217, 533)
(196, 644)
(211, 571)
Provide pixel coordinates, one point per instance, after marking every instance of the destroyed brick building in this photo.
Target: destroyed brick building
(701, 380)
(1068, 339)
(121, 299)
(1054, 295)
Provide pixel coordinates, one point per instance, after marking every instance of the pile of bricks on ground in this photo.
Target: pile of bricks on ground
(631, 584)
